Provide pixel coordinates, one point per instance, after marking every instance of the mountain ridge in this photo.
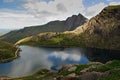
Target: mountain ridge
(54, 26)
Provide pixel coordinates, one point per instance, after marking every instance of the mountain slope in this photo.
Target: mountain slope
(54, 26)
(101, 31)
(104, 29)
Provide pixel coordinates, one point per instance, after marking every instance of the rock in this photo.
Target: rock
(95, 63)
(72, 75)
(66, 67)
(75, 20)
(73, 68)
(91, 76)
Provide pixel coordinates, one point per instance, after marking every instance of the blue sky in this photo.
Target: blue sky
(20, 13)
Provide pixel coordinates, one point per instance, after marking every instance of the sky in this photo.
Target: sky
(16, 14)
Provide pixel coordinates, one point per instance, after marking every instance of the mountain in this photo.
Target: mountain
(104, 29)
(7, 51)
(54, 26)
(101, 31)
(4, 31)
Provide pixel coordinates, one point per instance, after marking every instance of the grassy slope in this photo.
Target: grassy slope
(48, 75)
(7, 51)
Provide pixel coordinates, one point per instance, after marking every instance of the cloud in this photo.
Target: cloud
(114, 3)
(64, 56)
(13, 20)
(38, 12)
(94, 10)
(61, 7)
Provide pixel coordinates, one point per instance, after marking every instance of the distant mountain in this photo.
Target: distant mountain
(4, 31)
(54, 26)
(101, 31)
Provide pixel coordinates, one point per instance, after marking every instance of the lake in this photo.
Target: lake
(34, 58)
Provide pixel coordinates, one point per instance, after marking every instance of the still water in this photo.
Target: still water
(34, 58)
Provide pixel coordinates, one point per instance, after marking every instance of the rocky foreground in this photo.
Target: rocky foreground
(89, 71)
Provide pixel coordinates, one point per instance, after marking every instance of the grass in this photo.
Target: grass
(7, 51)
(113, 7)
(81, 67)
(115, 75)
(113, 65)
(65, 73)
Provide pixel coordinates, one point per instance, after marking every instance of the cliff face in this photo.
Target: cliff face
(54, 26)
(104, 29)
(101, 31)
(106, 24)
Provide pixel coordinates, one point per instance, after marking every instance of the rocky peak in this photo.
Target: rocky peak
(75, 21)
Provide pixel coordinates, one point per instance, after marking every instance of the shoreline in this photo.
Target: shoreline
(12, 58)
(72, 47)
(83, 70)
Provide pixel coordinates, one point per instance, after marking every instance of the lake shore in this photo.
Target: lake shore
(76, 72)
(12, 58)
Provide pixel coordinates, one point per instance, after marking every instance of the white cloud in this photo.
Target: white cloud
(58, 9)
(114, 3)
(64, 56)
(9, 20)
(94, 10)
(38, 12)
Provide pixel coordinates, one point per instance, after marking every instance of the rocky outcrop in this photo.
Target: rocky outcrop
(104, 28)
(75, 21)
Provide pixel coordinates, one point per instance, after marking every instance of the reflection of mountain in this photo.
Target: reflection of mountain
(101, 31)
(102, 55)
(54, 26)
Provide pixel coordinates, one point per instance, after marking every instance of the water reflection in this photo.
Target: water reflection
(34, 58)
(68, 56)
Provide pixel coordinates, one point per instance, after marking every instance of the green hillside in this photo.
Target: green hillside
(8, 51)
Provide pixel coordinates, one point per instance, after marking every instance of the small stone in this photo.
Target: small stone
(72, 75)
(73, 68)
